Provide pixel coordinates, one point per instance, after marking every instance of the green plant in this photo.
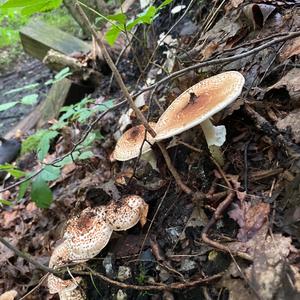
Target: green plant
(121, 23)
(32, 98)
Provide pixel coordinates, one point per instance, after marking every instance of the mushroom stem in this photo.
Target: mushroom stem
(215, 137)
(151, 159)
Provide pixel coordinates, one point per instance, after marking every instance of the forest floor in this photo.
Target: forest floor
(190, 248)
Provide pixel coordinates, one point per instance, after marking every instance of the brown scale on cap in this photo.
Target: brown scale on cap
(198, 103)
(130, 143)
(87, 234)
(126, 213)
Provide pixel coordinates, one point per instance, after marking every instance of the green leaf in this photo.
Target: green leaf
(22, 189)
(16, 173)
(112, 34)
(62, 74)
(6, 167)
(23, 88)
(120, 17)
(44, 144)
(41, 193)
(8, 105)
(5, 202)
(50, 173)
(59, 76)
(30, 99)
(30, 7)
(105, 105)
(165, 3)
(85, 155)
(31, 143)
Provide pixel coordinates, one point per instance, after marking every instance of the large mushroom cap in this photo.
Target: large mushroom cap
(87, 234)
(126, 213)
(130, 143)
(198, 103)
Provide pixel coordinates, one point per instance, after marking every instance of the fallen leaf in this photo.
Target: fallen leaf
(268, 269)
(292, 121)
(236, 3)
(258, 13)
(250, 218)
(290, 49)
(291, 82)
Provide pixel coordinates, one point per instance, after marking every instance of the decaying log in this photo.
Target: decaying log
(80, 72)
(38, 38)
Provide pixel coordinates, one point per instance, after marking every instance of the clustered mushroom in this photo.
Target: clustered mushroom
(87, 234)
(193, 107)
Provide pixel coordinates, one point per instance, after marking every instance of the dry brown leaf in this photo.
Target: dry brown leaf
(209, 50)
(236, 3)
(290, 49)
(258, 13)
(250, 218)
(267, 270)
(10, 295)
(292, 121)
(291, 82)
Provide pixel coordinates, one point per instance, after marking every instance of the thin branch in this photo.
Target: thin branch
(98, 37)
(218, 61)
(158, 287)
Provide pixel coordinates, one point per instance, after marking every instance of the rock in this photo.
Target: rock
(124, 273)
(121, 295)
(187, 265)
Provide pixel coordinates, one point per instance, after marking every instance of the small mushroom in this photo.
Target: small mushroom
(57, 285)
(131, 142)
(197, 104)
(126, 213)
(87, 234)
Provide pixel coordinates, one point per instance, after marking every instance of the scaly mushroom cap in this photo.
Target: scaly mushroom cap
(60, 256)
(130, 143)
(199, 103)
(71, 295)
(56, 285)
(87, 234)
(126, 213)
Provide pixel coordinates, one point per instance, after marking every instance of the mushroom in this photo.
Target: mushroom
(59, 257)
(130, 144)
(87, 234)
(197, 104)
(126, 213)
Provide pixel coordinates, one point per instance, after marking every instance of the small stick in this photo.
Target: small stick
(217, 214)
(98, 37)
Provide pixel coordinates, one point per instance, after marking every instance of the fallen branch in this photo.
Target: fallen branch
(159, 287)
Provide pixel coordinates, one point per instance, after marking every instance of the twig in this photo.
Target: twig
(217, 214)
(219, 61)
(98, 37)
(59, 159)
(158, 287)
